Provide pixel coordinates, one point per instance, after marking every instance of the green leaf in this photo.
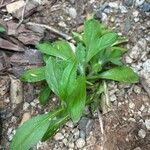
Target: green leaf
(60, 49)
(92, 32)
(68, 79)
(78, 37)
(122, 74)
(31, 131)
(64, 49)
(81, 57)
(34, 75)
(2, 29)
(53, 74)
(55, 124)
(44, 95)
(101, 43)
(76, 101)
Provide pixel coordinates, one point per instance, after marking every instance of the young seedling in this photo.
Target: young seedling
(76, 78)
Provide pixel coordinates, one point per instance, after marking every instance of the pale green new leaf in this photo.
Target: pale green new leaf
(76, 101)
(31, 132)
(122, 74)
(44, 95)
(34, 75)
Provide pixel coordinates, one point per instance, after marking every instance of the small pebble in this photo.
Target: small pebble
(139, 2)
(70, 124)
(142, 133)
(71, 145)
(147, 124)
(58, 136)
(72, 12)
(26, 116)
(80, 143)
(113, 98)
(131, 105)
(26, 106)
(146, 7)
(137, 148)
(137, 89)
(62, 24)
(128, 60)
(113, 5)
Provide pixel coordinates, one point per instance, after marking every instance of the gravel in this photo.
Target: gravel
(147, 124)
(72, 13)
(142, 133)
(58, 136)
(80, 143)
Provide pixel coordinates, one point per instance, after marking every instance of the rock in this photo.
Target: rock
(135, 13)
(145, 72)
(123, 9)
(128, 60)
(70, 124)
(16, 90)
(146, 7)
(127, 25)
(82, 134)
(62, 24)
(137, 89)
(58, 136)
(136, 19)
(65, 141)
(113, 5)
(135, 52)
(98, 14)
(131, 105)
(147, 124)
(26, 116)
(26, 106)
(72, 1)
(42, 146)
(12, 7)
(85, 124)
(139, 2)
(137, 148)
(71, 145)
(128, 3)
(142, 133)
(80, 143)
(72, 12)
(4, 85)
(104, 17)
(142, 108)
(75, 133)
(113, 98)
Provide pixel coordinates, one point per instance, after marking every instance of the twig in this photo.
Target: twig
(23, 12)
(65, 36)
(100, 121)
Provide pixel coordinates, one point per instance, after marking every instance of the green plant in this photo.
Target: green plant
(77, 78)
(2, 29)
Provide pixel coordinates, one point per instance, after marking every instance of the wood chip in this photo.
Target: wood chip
(7, 45)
